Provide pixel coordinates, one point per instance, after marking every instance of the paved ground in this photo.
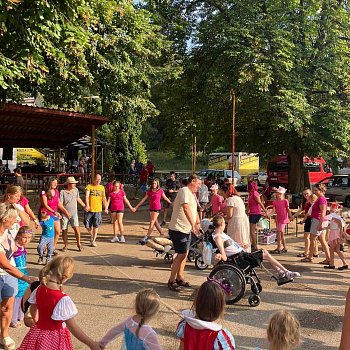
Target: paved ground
(107, 277)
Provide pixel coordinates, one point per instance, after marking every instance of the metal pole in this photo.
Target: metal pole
(58, 159)
(93, 156)
(194, 154)
(233, 95)
(102, 147)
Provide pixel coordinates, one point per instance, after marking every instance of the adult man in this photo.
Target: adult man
(172, 186)
(70, 198)
(95, 196)
(184, 219)
(19, 181)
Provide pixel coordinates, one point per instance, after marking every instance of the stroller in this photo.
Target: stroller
(162, 247)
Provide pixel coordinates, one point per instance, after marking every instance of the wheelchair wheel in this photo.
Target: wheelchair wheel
(232, 277)
(199, 263)
(168, 258)
(191, 256)
(254, 300)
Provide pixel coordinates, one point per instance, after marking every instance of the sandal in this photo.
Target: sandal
(284, 251)
(80, 248)
(329, 267)
(306, 260)
(276, 251)
(64, 249)
(16, 325)
(174, 286)
(8, 343)
(324, 262)
(302, 255)
(183, 283)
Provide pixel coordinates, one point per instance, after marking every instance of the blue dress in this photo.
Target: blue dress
(20, 257)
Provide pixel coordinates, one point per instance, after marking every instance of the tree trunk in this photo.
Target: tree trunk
(296, 173)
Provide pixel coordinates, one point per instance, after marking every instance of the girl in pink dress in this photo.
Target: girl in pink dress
(116, 200)
(155, 195)
(53, 311)
(335, 237)
(50, 203)
(215, 201)
(282, 211)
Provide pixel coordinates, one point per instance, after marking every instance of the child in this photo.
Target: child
(137, 334)
(335, 237)
(198, 329)
(117, 198)
(228, 247)
(54, 311)
(47, 237)
(155, 194)
(283, 332)
(23, 237)
(281, 208)
(216, 200)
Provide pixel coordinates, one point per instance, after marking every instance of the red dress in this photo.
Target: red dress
(47, 333)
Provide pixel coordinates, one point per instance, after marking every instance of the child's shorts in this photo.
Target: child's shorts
(280, 227)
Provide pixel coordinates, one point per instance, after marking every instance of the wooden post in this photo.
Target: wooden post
(93, 155)
(58, 159)
(233, 134)
(194, 154)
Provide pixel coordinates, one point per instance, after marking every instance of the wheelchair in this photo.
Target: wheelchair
(235, 274)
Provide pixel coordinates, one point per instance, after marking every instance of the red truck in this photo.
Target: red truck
(277, 170)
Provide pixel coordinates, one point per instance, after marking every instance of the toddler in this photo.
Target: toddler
(47, 237)
(198, 329)
(23, 237)
(137, 334)
(54, 311)
(335, 237)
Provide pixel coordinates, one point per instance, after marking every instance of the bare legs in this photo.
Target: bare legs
(178, 267)
(6, 315)
(117, 220)
(77, 236)
(253, 236)
(335, 248)
(154, 222)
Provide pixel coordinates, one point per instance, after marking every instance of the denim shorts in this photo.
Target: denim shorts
(254, 218)
(73, 221)
(181, 241)
(8, 286)
(92, 219)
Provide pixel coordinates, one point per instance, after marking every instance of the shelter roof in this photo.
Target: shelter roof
(26, 126)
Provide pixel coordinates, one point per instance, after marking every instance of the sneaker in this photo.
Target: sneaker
(40, 261)
(122, 239)
(163, 223)
(55, 252)
(292, 274)
(144, 240)
(114, 239)
(93, 244)
(47, 260)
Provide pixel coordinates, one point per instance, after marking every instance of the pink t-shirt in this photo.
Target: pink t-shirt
(281, 207)
(254, 207)
(117, 200)
(216, 203)
(154, 199)
(316, 210)
(52, 203)
(23, 202)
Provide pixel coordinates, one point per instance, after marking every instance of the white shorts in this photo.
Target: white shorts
(314, 227)
(73, 221)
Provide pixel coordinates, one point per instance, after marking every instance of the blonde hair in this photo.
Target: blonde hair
(156, 181)
(60, 267)
(313, 198)
(283, 332)
(11, 190)
(7, 211)
(147, 305)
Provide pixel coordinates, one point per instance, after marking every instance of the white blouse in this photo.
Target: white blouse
(64, 310)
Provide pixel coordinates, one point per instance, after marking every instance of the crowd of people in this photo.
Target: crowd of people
(235, 233)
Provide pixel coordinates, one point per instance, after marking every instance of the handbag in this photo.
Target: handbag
(207, 253)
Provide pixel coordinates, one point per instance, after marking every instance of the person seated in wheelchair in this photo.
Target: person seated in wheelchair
(231, 250)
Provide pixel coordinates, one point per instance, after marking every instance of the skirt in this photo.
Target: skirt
(43, 339)
(334, 236)
(238, 230)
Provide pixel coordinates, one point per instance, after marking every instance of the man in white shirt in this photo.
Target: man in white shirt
(184, 219)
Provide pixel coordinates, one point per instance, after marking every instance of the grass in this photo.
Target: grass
(166, 160)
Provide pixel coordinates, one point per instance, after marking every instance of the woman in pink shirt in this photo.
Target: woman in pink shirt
(116, 200)
(282, 211)
(254, 207)
(50, 203)
(155, 195)
(318, 224)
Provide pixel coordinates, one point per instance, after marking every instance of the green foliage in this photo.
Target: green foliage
(68, 51)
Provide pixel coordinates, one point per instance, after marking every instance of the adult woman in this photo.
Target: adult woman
(254, 206)
(8, 272)
(317, 229)
(237, 220)
(50, 204)
(69, 197)
(155, 194)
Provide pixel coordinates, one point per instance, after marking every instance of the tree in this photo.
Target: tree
(68, 51)
(289, 65)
